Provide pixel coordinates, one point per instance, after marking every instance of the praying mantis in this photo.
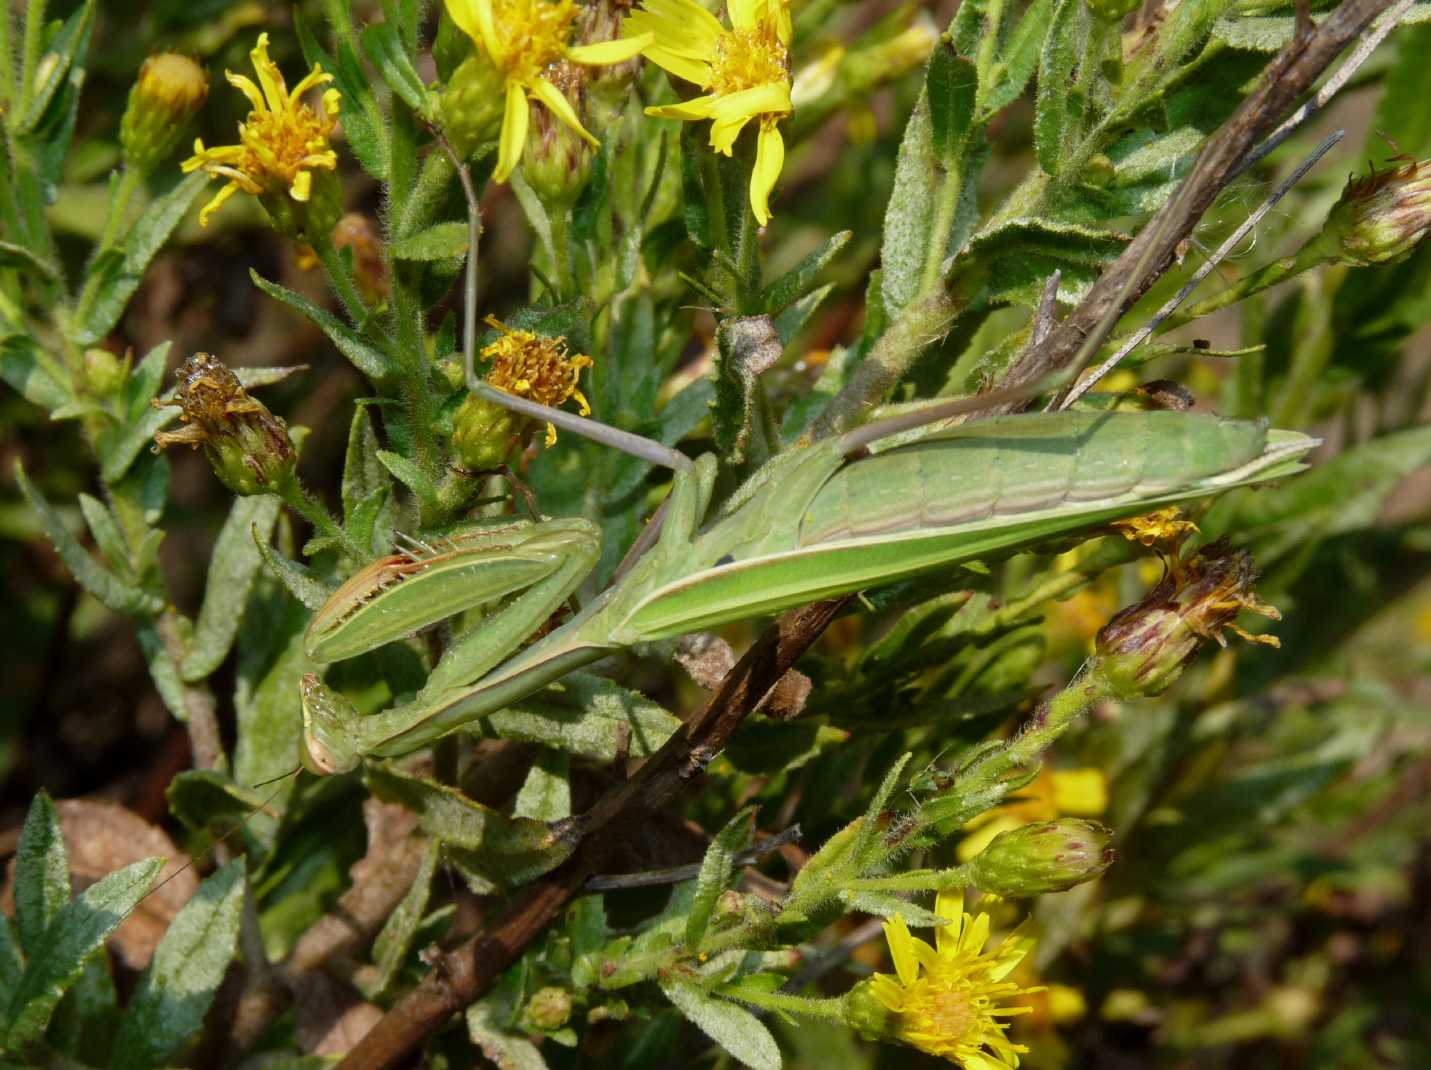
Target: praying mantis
(881, 503)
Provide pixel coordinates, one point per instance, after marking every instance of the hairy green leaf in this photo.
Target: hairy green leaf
(717, 871)
(42, 873)
(734, 1028)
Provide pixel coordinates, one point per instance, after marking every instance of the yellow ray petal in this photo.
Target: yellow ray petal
(901, 950)
(464, 14)
(688, 13)
(552, 97)
(302, 187)
(692, 70)
(603, 53)
(678, 37)
(744, 14)
(769, 159)
(217, 203)
(246, 86)
(696, 108)
(514, 133)
(269, 76)
(725, 130)
(949, 904)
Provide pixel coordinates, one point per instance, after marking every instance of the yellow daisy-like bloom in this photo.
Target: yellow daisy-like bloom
(1053, 793)
(948, 999)
(281, 143)
(523, 38)
(535, 367)
(745, 70)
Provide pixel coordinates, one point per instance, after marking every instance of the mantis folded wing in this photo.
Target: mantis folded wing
(813, 524)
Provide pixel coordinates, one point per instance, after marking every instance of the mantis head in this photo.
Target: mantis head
(329, 746)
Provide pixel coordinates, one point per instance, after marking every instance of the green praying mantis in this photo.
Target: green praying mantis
(881, 503)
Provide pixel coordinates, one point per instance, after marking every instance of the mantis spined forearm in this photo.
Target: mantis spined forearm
(815, 523)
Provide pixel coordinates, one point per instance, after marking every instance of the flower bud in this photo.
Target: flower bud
(1143, 649)
(557, 160)
(247, 445)
(549, 1009)
(170, 90)
(472, 103)
(1049, 856)
(103, 372)
(484, 433)
(1381, 218)
(866, 1015)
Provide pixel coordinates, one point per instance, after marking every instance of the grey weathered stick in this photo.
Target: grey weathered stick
(1078, 389)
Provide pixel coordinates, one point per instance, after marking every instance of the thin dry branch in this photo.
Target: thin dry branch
(1290, 75)
(465, 973)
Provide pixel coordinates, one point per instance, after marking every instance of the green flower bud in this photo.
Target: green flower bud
(557, 160)
(484, 433)
(310, 220)
(549, 1009)
(247, 446)
(104, 373)
(170, 90)
(472, 103)
(1144, 648)
(1048, 856)
(866, 1015)
(1381, 218)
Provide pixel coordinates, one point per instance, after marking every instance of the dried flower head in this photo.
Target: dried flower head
(247, 445)
(281, 143)
(1381, 217)
(519, 41)
(1164, 528)
(947, 999)
(170, 90)
(745, 71)
(1143, 649)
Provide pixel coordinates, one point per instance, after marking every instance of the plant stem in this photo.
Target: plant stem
(830, 1009)
(915, 880)
(298, 498)
(1313, 254)
(130, 180)
(340, 280)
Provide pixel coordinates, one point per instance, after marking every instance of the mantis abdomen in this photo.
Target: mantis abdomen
(1015, 465)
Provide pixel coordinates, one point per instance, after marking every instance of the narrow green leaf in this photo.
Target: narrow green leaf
(386, 49)
(364, 126)
(885, 905)
(872, 825)
(953, 86)
(441, 241)
(58, 957)
(162, 670)
(363, 473)
(489, 849)
(65, 50)
(589, 716)
(176, 990)
(368, 360)
(732, 1027)
(300, 581)
(1018, 60)
(115, 275)
(507, 1051)
(789, 322)
(42, 873)
(1052, 122)
(202, 799)
(546, 793)
(26, 368)
(798, 281)
(12, 961)
(271, 665)
(106, 533)
(409, 474)
(717, 871)
(232, 568)
(17, 256)
(390, 949)
(88, 573)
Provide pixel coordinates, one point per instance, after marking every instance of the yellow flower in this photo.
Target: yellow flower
(948, 999)
(746, 71)
(535, 367)
(1053, 793)
(523, 38)
(1165, 528)
(281, 143)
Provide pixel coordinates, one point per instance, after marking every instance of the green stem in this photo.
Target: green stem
(340, 280)
(1311, 255)
(561, 253)
(298, 498)
(129, 182)
(831, 1010)
(30, 55)
(915, 880)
